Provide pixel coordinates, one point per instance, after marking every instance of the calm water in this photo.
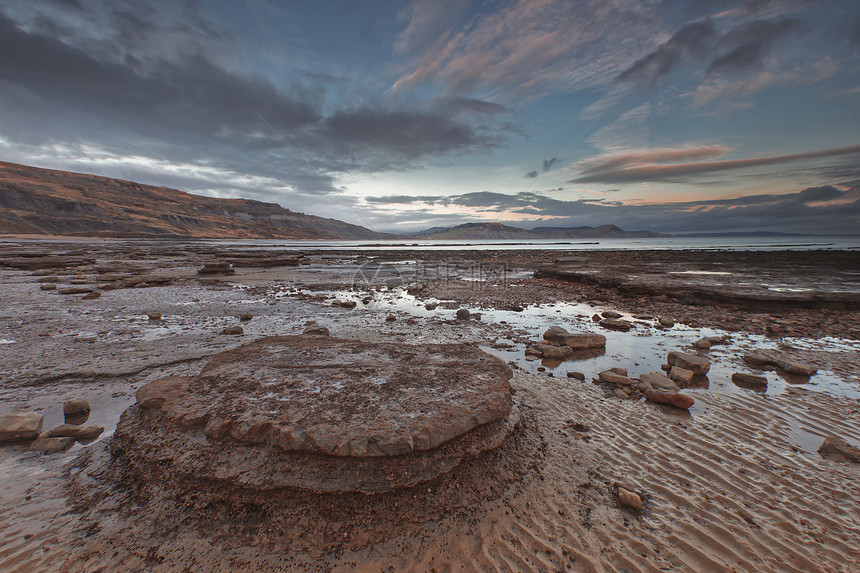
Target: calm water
(842, 243)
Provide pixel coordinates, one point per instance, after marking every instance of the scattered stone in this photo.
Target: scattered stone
(621, 394)
(616, 324)
(702, 344)
(246, 316)
(837, 446)
(682, 376)
(665, 322)
(619, 370)
(552, 352)
(76, 407)
(431, 305)
(575, 341)
(749, 380)
(154, 316)
(390, 318)
(51, 445)
(315, 330)
(697, 364)
(517, 308)
(629, 499)
(92, 296)
(20, 425)
(71, 431)
(610, 377)
(715, 340)
(344, 303)
(463, 314)
(658, 380)
(762, 360)
(48, 286)
(75, 290)
(759, 360)
(217, 269)
(232, 330)
(576, 376)
(675, 399)
(611, 314)
(596, 318)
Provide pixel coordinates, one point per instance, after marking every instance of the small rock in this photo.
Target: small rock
(316, 330)
(246, 316)
(838, 446)
(76, 432)
(75, 290)
(390, 318)
(463, 314)
(759, 360)
(575, 341)
(629, 499)
(697, 364)
(217, 269)
(664, 321)
(553, 352)
(51, 445)
(48, 286)
(702, 344)
(682, 376)
(76, 407)
(621, 394)
(517, 308)
(576, 376)
(92, 296)
(749, 380)
(596, 318)
(431, 305)
(154, 316)
(233, 330)
(20, 425)
(675, 399)
(611, 314)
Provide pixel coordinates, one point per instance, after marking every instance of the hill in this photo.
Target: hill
(47, 202)
(489, 231)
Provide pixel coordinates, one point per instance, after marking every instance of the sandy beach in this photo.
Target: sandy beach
(734, 484)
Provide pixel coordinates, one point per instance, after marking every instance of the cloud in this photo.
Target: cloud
(459, 105)
(822, 210)
(638, 168)
(430, 22)
(750, 43)
(532, 175)
(694, 39)
(611, 162)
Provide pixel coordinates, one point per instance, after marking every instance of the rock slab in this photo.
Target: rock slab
(20, 425)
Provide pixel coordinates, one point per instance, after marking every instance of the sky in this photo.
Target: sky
(674, 116)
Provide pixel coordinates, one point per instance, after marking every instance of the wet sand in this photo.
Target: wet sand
(735, 485)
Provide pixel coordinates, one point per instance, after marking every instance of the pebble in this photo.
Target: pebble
(629, 499)
(76, 407)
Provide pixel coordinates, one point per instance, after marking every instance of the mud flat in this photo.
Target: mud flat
(736, 482)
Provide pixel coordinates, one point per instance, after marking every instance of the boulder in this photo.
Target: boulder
(796, 368)
(839, 447)
(616, 324)
(232, 330)
(51, 445)
(610, 377)
(75, 290)
(576, 341)
(431, 305)
(463, 314)
(611, 314)
(749, 380)
(76, 407)
(246, 316)
(702, 344)
(71, 431)
(658, 380)
(154, 316)
(665, 322)
(576, 376)
(697, 364)
(675, 399)
(20, 425)
(552, 352)
(759, 359)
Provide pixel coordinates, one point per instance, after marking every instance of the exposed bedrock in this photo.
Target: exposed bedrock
(321, 414)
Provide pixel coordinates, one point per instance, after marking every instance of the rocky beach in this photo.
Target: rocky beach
(202, 406)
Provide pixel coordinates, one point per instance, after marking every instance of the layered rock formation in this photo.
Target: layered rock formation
(320, 414)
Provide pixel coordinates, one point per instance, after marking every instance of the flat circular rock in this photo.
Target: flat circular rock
(344, 397)
(321, 414)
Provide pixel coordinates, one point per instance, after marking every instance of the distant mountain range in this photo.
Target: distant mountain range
(47, 202)
(489, 231)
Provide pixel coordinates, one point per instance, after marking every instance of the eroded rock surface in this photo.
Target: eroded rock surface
(322, 414)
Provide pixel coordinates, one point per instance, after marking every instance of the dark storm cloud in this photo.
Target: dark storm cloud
(693, 39)
(152, 87)
(750, 43)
